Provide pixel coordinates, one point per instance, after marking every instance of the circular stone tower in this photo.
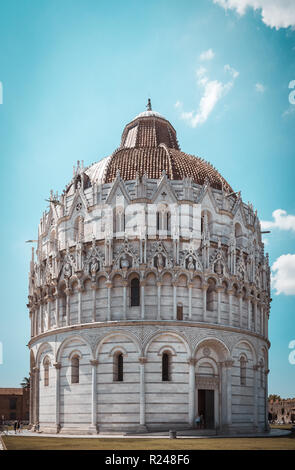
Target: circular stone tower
(149, 296)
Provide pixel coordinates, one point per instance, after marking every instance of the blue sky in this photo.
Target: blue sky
(75, 72)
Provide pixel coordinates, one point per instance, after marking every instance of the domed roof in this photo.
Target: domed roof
(149, 146)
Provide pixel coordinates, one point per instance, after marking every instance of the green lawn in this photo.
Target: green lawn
(53, 443)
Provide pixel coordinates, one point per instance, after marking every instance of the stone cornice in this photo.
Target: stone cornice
(162, 323)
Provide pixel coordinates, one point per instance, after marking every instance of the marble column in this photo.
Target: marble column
(125, 285)
(94, 289)
(192, 391)
(36, 394)
(68, 320)
(249, 313)
(32, 324)
(41, 318)
(49, 312)
(230, 306)
(57, 310)
(204, 289)
(266, 425)
(80, 290)
(57, 366)
(219, 290)
(159, 301)
(32, 391)
(255, 397)
(142, 362)
(109, 287)
(227, 389)
(190, 291)
(93, 428)
(142, 299)
(174, 301)
(241, 309)
(255, 316)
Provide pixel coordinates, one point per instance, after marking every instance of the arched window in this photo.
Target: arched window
(46, 365)
(119, 220)
(168, 222)
(210, 297)
(252, 315)
(79, 228)
(163, 220)
(135, 292)
(118, 367)
(243, 361)
(75, 366)
(52, 240)
(238, 234)
(179, 312)
(166, 366)
(158, 220)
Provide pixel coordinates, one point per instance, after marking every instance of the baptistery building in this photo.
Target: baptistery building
(149, 295)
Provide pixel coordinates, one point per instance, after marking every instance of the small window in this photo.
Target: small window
(135, 292)
(118, 367)
(165, 367)
(242, 370)
(158, 221)
(75, 366)
(179, 312)
(12, 404)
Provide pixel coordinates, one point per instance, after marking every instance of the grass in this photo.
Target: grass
(54, 443)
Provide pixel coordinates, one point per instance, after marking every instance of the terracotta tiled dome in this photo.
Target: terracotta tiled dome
(149, 146)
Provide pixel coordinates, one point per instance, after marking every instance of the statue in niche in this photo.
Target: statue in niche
(160, 263)
(67, 270)
(94, 267)
(190, 263)
(218, 267)
(124, 261)
(241, 271)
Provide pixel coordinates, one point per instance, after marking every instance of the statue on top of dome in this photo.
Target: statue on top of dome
(149, 105)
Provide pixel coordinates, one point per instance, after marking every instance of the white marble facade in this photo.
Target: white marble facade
(191, 282)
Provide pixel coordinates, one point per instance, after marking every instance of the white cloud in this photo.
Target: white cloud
(213, 91)
(290, 111)
(178, 104)
(282, 221)
(259, 87)
(283, 277)
(207, 55)
(231, 70)
(275, 13)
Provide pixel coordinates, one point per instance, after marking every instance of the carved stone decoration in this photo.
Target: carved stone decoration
(94, 260)
(127, 254)
(217, 263)
(241, 269)
(190, 260)
(206, 351)
(208, 383)
(159, 257)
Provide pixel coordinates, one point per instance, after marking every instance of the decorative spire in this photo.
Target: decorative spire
(149, 105)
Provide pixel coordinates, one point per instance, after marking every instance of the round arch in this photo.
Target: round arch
(128, 335)
(181, 337)
(68, 340)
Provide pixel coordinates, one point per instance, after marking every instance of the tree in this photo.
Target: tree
(274, 397)
(25, 383)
